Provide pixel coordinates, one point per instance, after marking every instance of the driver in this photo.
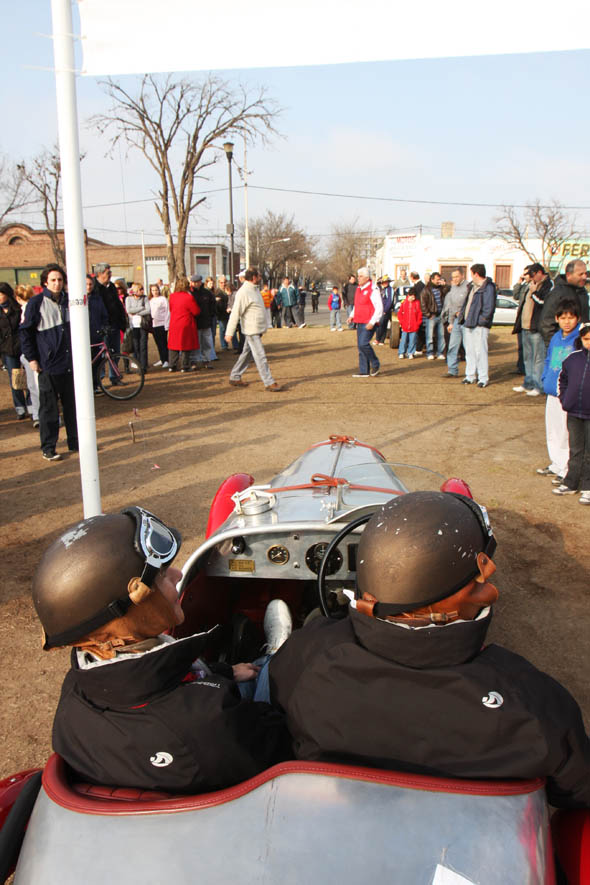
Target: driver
(139, 708)
(405, 682)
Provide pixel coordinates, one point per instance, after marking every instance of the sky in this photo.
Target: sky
(489, 130)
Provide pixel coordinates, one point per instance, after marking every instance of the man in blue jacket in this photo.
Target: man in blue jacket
(476, 317)
(46, 343)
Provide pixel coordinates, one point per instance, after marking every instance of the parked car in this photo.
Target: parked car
(506, 308)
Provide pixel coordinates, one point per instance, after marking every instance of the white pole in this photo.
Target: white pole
(246, 230)
(69, 149)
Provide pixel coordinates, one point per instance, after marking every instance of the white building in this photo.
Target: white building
(426, 253)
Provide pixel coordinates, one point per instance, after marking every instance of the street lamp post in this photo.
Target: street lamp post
(229, 152)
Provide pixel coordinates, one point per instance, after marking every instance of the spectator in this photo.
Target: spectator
(315, 297)
(210, 286)
(140, 315)
(476, 316)
(267, 299)
(418, 286)
(401, 287)
(528, 321)
(249, 310)
(160, 322)
(387, 300)
(301, 299)
(573, 388)
(334, 305)
(183, 338)
(288, 294)
(10, 349)
(431, 302)
(207, 307)
(276, 309)
(237, 338)
(568, 285)
(23, 295)
(366, 313)
(115, 309)
(454, 301)
(348, 293)
(221, 310)
(410, 320)
(560, 346)
(519, 292)
(98, 320)
(46, 343)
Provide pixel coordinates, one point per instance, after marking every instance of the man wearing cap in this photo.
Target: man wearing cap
(206, 302)
(405, 681)
(117, 316)
(139, 708)
(387, 303)
(366, 313)
(528, 323)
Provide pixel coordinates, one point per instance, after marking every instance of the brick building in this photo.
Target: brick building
(24, 252)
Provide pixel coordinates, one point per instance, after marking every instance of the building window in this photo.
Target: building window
(203, 265)
(503, 276)
(16, 241)
(446, 270)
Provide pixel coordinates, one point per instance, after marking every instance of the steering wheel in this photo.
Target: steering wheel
(348, 528)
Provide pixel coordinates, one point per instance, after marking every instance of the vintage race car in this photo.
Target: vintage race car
(295, 538)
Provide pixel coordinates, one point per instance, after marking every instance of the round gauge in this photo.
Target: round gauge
(278, 554)
(315, 554)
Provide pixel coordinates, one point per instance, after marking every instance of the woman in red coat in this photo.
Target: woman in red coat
(182, 334)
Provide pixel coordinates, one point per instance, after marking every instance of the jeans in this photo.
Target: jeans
(257, 689)
(206, 352)
(254, 348)
(140, 347)
(533, 354)
(222, 326)
(367, 356)
(407, 341)
(113, 340)
(475, 342)
(161, 339)
(288, 317)
(455, 342)
(19, 397)
(33, 385)
(433, 323)
(578, 467)
(381, 333)
(335, 319)
(52, 388)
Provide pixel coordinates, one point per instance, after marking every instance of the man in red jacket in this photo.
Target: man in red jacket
(366, 313)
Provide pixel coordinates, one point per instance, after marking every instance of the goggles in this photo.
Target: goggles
(155, 542)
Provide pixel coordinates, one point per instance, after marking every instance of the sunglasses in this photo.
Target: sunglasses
(154, 541)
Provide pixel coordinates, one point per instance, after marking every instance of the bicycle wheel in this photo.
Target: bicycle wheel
(128, 380)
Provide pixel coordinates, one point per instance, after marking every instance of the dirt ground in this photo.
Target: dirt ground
(191, 431)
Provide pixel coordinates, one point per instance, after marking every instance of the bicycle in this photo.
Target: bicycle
(125, 371)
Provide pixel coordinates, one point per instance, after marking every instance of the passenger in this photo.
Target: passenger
(139, 708)
(404, 682)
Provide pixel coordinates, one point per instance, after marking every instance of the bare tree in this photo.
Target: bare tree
(549, 224)
(278, 247)
(14, 190)
(178, 126)
(348, 249)
(43, 175)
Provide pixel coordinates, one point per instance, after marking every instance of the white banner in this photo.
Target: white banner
(135, 36)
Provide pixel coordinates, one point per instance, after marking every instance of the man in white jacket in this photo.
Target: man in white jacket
(249, 311)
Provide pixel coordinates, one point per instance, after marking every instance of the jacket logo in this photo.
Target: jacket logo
(161, 759)
(493, 700)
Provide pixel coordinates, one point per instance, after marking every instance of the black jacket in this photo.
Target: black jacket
(112, 302)
(573, 384)
(539, 297)
(136, 723)
(207, 306)
(561, 289)
(45, 333)
(9, 323)
(371, 693)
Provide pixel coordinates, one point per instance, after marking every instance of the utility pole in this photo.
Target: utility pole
(246, 229)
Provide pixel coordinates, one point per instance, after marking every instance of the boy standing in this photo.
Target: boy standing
(334, 305)
(561, 345)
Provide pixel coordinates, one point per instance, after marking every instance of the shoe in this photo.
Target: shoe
(482, 383)
(401, 356)
(274, 387)
(375, 372)
(430, 357)
(332, 330)
(165, 365)
(20, 416)
(563, 490)
(358, 375)
(584, 498)
(303, 325)
(533, 392)
(73, 448)
(519, 389)
(182, 371)
(98, 391)
(441, 357)
(340, 329)
(380, 344)
(237, 382)
(35, 422)
(171, 370)
(546, 471)
(449, 375)
(467, 381)
(411, 356)
(159, 363)
(418, 352)
(277, 625)
(51, 456)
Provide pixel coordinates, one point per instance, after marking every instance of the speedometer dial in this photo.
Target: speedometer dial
(315, 554)
(278, 554)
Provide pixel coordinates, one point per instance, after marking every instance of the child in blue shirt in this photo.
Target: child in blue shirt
(560, 346)
(334, 304)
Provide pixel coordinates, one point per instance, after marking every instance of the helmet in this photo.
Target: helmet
(82, 580)
(421, 547)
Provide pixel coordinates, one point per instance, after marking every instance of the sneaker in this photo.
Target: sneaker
(557, 480)
(430, 357)
(441, 357)
(467, 381)
(449, 375)
(332, 330)
(277, 625)
(98, 391)
(375, 372)
(401, 356)
(411, 356)
(358, 375)
(237, 382)
(20, 416)
(274, 387)
(519, 389)
(35, 422)
(51, 456)
(482, 383)
(182, 371)
(381, 344)
(584, 497)
(533, 392)
(563, 490)
(418, 352)
(302, 325)
(165, 365)
(546, 471)
(159, 363)
(171, 370)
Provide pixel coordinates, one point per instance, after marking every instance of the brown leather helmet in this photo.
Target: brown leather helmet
(421, 547)
(82, 580)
